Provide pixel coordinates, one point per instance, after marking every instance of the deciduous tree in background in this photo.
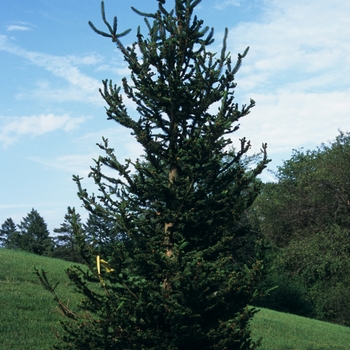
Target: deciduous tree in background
(174, 282)
(306, 218)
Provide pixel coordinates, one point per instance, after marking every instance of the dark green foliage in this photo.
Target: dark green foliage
(305, 216)
(66, 246)
(102, 234)
(323, 264)
(286, 293)
(34, 235)
(312, 192)
(9, 235)
(180, 278)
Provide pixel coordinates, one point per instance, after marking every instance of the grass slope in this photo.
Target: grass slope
(290, 332)
(29, 315)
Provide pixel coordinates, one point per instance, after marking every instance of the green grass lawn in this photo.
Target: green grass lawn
(28, 312)
(29, 315)
(287, 332)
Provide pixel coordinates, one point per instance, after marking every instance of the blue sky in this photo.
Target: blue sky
(52, 64)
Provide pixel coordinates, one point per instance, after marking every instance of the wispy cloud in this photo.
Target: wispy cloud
(287, 120)
(79, 163)
(46, 90)
(65, 67)
(14, 27)
(294, 43)
(19, 26)
(297, 71)
(220, 5)
(37, 125)
(14, 206)
(121, 71)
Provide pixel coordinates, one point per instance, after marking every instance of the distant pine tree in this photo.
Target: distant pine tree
(175, 283)
(9, 235)
(34, 235)
(101, 234)
(66, 245)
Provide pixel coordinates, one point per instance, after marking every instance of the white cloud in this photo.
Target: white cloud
(78, 164)
(124, 144)
(62, 67)
(45, 90)
(82, 87)
(287, 120)
(121, 71)
(297, 71)
(14, 27)
(35, 126)
(295, 42)
(89, 59)
(19, 26)
(14, 206)
(220, 5)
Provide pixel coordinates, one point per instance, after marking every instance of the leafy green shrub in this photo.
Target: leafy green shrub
(286, 294)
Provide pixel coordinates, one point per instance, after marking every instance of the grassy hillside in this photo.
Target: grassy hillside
(29, 315)
(282, 331)
(28, 312)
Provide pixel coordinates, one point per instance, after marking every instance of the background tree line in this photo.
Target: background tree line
(33, 236)
(304, 219)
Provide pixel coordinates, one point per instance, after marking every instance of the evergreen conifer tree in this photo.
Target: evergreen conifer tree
(101, 234)
(66, 245)
(9, 235)
(34, 235)
(175, 282)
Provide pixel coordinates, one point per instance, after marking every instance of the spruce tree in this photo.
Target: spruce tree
(101, 234)
(9, 235)
(34, 235)
(175, 282)
(66, 245)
